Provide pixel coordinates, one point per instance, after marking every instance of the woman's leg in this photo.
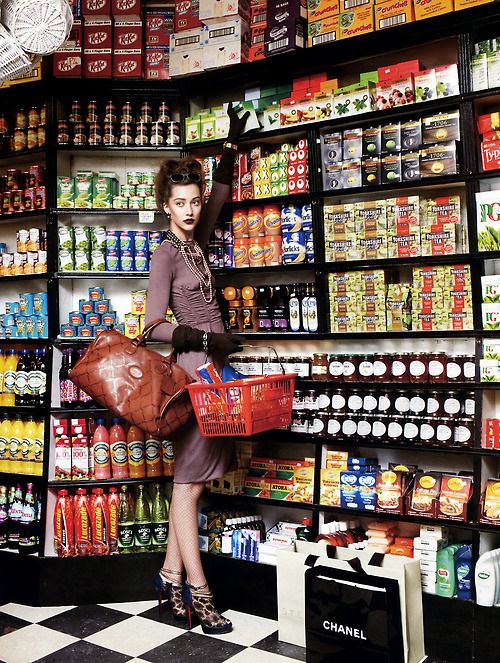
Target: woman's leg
(172, 565)
(184, 519)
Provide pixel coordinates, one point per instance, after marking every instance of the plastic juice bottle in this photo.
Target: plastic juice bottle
(15, 513)
(153, 457)
(113, 506)
(27, 534)
(28, 446)
(100, 523)
(100, 450)
(16, 441)
(39, 443)
(160, 521)
(126, 519)
(118, 449)
(83, 533)
(2, 371)
(167, 457)
(5, 435)
(64, 536)
(22, 396)
(136, 449)
(9, 380)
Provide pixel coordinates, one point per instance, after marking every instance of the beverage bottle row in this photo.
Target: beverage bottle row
(102, 524)
(72, 396)
(23, 377)
(19, 519)
(21, 444)
(236, 522)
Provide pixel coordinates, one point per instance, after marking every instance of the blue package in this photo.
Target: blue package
(126, 261)
(307, 221)
(229, 373)
(294, 247)
(40, 303)
(31, 326)
(155, 239)
(309, 245)
(126, 241)
(349, 490)
(68, 331)
(20, 324)
(12, 307)
(291, 219)
(42, 325)
(141, 241)
(112, 261)
(11, 332)
(8, 319)
(113, 240)
(26, 303)
(141, 261)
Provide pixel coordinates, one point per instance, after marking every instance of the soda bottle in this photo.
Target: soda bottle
(83, 534)
(142, 527)
(167, 457)
(126, 521)
(9, 379)
(2, 371)
(113, 506)
(16, 440)
(100, 451)
(21, 384)
(15, 513)
(28, 446)
(304, 532)
(136, 449)
(100, 523)
(153, 457)
(5, 435)
(118, 449)
(83, 399)
(37, 377)
(4, 517)
(39, 443)
(64, 530)
(67, 389)
(27, 532)
(160, 521)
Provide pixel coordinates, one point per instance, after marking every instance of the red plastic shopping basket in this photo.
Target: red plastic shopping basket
(243, 407)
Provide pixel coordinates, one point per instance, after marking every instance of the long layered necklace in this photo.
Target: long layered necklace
(192, 253)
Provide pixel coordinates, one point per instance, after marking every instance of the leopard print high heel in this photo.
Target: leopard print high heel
(200, 600)
(172, 592)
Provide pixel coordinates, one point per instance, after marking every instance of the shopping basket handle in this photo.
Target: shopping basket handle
(269, 347)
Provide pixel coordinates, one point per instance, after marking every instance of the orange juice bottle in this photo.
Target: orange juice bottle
(154, 466)
(38, 455)
(9, 378)
(136, 453)
(16, 441)
(28, 446)
(118, 449)
(2, 371)
(5, 435)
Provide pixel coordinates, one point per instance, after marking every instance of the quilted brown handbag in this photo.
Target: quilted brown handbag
(135, 383)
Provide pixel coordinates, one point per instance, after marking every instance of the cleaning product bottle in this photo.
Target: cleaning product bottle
(445, 574)
(463, 572)
(486, 578)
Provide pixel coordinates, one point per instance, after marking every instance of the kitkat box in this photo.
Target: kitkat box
(127, 35)
(429, 8)
(186, 15)
(96, 8)
(127, 64)
(127, 8)
(97, 63)
(156, 61)
(159, 26)
(97, 33)
(67, 63)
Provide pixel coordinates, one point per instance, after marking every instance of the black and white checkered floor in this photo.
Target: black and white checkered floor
(132, 632)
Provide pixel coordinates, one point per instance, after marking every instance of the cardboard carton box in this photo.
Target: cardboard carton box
(67, 62)
(159, 25)
(186, 51)
(223, 9)
(286, 28)
(127, 35)
(390, 13)
(156, 63)
(323, 30)
(226, 42)
(358, 21)
(186, 15)
(97, 63)
(128, 8)
(127, 63)
(428, 8)
(96, 7)
(97, 33)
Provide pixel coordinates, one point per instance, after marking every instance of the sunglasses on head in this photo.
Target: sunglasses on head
(184, 178)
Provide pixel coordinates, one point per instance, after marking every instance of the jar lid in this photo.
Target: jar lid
(235, 303)
(248, 292)
(249, 302)
(230, 293)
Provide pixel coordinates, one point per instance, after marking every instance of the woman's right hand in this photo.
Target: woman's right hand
(224, 344)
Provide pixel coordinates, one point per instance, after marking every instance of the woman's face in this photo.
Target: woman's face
(184, 207)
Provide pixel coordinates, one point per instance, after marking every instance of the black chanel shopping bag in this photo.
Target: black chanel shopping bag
(352, 617)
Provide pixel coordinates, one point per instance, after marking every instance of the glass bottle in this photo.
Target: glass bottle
(160, 521)
(126, 520)
(142, 527)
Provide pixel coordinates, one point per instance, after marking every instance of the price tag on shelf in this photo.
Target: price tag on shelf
(146, 216)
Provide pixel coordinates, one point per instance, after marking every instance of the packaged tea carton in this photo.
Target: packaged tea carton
(488, 220)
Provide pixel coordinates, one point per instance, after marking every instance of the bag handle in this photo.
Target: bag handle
(269, 347)
(376, 559)
(140, 339)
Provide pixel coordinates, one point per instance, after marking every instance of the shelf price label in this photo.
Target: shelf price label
(146, 216)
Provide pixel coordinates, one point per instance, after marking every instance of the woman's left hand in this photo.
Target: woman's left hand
(236, 124)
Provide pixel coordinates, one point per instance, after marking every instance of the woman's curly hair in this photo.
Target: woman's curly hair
(169, 167)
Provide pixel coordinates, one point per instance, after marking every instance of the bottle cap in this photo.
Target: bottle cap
(98, 491)
(62, 493)
(81, 491)
(99, 422)
(307, 521)
(113, 489)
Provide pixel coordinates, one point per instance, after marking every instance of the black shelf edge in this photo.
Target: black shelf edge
(83, 341)
(302, 267)
(442, 180)
(377, 386)
(68, 211)
(17, 476)
(72, 412)
(25, 277)
(16, 216)
(24, 155)
(263, 501)
(487, 174)
(255, 202)
(29, 409)
(489, 255)
(121, 149)
(106, 482)
(352, 265)
(26, 341)
(101, 275)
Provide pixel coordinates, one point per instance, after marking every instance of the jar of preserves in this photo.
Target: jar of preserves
(146, 112)
(364, 429)
(402, 404)
(320, 423)
(299, 421)
(164, 112)
(385, 401)
(355, 401)
(349, 428)
(469, 403)
(311, 400)
(127, 113)
(41, 135)
(110, 114)
(319, 367)
(418, 404)
(20, 139)
(411, 430)
(395, 430)
(338, 401)
(92, 115)
(75, 114)
(382, 363)
(400, 368)
(172, 133)
(157, 134)
(454, 368)
(110, 136)
(365, 368)
(469, 368)
(370, 402)
(435, 404)
(335, 421)
(126, 138)
(437, 367)
(32, 138)
(463, 434)
(141, 134)
(350, 368)
(335, 368)
(21, 119)
(379, 427)
(95, 134)
(453, 404)
(444, 432)
(428, 431)
(298, 400)
(33, 117)
(419, 367)
(79, 134)
(324, 400)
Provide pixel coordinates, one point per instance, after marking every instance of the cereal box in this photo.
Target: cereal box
(330, 487)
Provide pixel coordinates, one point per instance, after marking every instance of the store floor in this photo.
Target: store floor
(132, 632)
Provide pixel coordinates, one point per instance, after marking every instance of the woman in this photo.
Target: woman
(180, 278)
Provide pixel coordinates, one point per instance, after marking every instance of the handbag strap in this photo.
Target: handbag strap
(376, 559)
(140, 339)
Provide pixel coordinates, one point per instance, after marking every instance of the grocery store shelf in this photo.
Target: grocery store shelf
(121, 150)
(378, 386)
(424, 182)
(284, 199)
(37, 155)
(106, 482)
(300, 267)
(19, 216)
(69, 211)
(28, 409)
(86, 341)
(102, 275)
(74, 412)
(417, 261)
(38, 342)
(17, 476)
(25, 277)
